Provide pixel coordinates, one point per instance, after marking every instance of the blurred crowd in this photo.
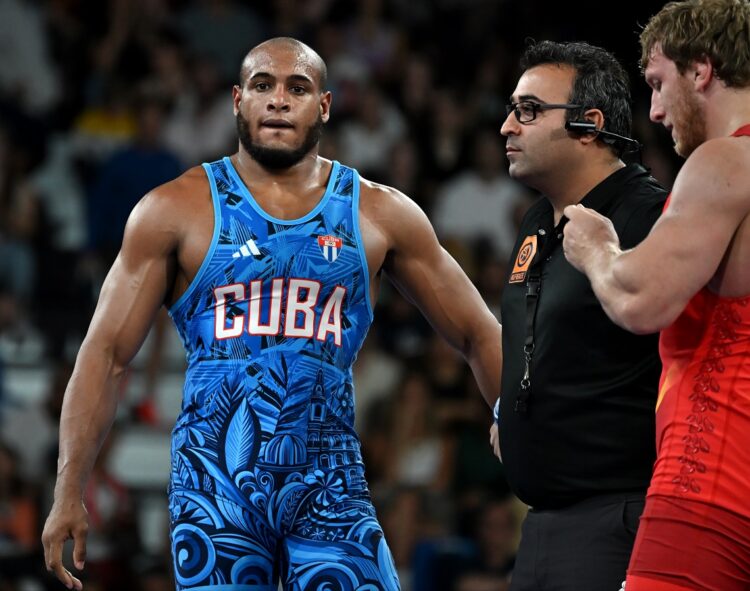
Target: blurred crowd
(101, 101)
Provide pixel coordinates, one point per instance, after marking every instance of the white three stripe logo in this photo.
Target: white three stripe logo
(247, 249)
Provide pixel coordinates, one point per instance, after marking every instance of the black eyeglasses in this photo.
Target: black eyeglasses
(526, 111)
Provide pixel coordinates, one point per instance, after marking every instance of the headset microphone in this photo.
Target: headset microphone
(584, 127)
(581, 126)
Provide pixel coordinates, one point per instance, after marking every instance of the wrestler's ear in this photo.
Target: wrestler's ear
(325, 105)
(236, 98)
(701, 73)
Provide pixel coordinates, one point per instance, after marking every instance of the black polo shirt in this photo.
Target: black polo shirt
(588, 427)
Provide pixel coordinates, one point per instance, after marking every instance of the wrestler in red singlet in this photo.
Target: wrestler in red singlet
(702, 471)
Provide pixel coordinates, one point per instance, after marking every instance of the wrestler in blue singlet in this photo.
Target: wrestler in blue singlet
(267, 478)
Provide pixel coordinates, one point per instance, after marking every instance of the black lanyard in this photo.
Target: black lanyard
(533, 291)
(533, 288)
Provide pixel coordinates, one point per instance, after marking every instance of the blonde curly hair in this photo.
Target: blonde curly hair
(697, 29)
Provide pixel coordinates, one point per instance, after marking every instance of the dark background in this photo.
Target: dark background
(100, 101)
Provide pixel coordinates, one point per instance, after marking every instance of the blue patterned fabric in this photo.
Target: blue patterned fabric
(267, 479)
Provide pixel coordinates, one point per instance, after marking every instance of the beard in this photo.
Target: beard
(688, 122)
(278, 158)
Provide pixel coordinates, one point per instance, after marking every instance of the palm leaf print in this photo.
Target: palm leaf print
(242, 439)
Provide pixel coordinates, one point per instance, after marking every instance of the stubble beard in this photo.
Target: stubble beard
(689, 122)
(278, 158)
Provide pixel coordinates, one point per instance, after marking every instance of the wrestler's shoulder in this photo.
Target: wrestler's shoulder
(382, 202)
(189, 186)
(175, 205)
(715, 176)
(727, 157)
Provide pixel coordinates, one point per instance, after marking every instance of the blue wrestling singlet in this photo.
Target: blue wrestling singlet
(267, 479)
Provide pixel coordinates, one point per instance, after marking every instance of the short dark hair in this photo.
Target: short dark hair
(297, 45)
(600, 81)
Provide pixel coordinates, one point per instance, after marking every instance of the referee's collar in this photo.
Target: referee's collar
(605, 191)
(598, 197)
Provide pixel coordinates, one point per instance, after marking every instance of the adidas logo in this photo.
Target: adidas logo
(247, 249)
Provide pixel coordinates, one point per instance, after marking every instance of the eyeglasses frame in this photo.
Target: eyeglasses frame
(535, 108)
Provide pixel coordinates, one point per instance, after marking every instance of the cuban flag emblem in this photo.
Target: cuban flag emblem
(330, 245)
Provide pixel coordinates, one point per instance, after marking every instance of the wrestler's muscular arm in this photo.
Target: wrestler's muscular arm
(400, 240)
(141, 279)
(702, 239)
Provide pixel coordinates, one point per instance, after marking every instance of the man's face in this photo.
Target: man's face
(538, 148)
(280, 110)
(674, 103)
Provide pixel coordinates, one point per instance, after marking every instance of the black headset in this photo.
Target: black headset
(584, 127)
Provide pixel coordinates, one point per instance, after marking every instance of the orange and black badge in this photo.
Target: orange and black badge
(523, 260)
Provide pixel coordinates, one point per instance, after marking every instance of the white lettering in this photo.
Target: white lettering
(237, 293)
(299, 296)
(295, 306)
(254, 325)
(330, 319)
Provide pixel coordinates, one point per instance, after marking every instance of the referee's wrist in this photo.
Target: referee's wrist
(496, 410)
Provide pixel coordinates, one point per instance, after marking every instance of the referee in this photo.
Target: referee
(576, 413)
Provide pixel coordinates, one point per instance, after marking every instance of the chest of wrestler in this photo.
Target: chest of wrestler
(593, 385)
(276, 301)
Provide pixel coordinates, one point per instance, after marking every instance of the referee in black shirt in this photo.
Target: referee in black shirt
(576, 413)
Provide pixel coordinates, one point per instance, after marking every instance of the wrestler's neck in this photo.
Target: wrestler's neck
(310, 171)
(726, 111)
